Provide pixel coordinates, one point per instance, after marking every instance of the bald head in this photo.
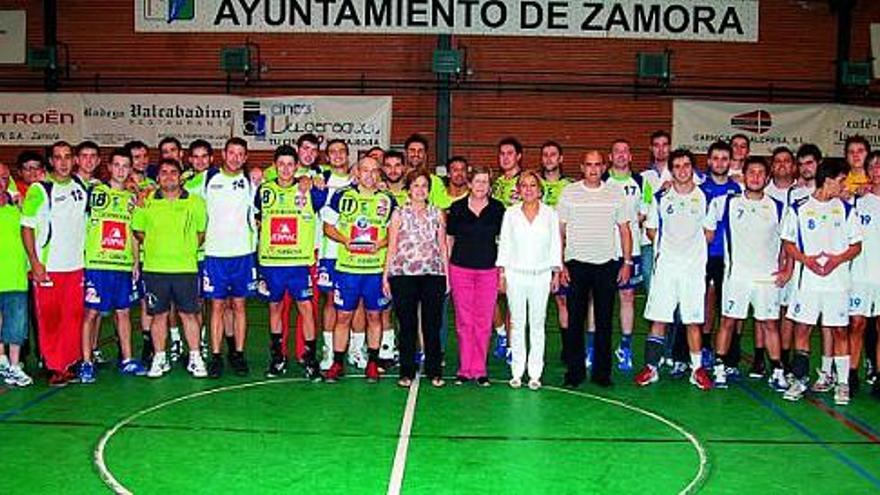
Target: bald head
(368, 172)
(593, 166)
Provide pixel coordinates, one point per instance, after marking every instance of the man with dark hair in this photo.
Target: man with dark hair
(140, 159)
(31, 168)
(821, 233)
(87, 158)
(675, 224)
(416, 149)
(308, 149)
(53, 231)
(740, 147)
(856, 149)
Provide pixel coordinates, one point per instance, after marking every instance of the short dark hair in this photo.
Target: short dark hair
(124, 153)
(172, 162)
(307, 138)
(809, 149)
(682, 153)
(756, 160)
(29, 156)
(552, 143)
(136, 145)
(170, 139)
(341, 141)
(394, 154)
(235, 141)
(719, 146)
(50, 150)
(779, 150)
(660, 134)
(201, 143)
(457, 158)
(511, 141)
(87, 145)
(829, 169)
(285, 150)
(740, 136)
(416, 138)
(856, 139)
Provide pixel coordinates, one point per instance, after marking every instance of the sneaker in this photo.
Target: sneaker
(277, 366)
(700, 378)
(796, 391)
(357, 358)
(588, 361)
(238, 363)
(461, 379)
(483, 381)
(326, 359)
(679, 369)
(707, 358)
(175, 350)
(733, 374)
(312, 371)
(841, 394)
(196, 365)
(336, 371)
(59, 378)
(500, 351)
(720, 377)
(98, 357)
(535, 384)
(4, 365)
(87, 373)
(16, 377)
(515, 383)
(758, 369)
(824, 383)
(778, 382)
(372, 372)
(215, 367)
(132, 367)
(871, 378)
(159, 366)
(624, 359)
(647, 376)
(386, 365)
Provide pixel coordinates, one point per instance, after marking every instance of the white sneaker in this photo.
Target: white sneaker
(4, 365)
(327, 359)
(357, 358)
(778, 382)
(16, 377)
(824, 383)
(515, 383)
(196, 365)
(535, 384)
(720, 376)
(796, 391)
(841, 394)
(159, 367)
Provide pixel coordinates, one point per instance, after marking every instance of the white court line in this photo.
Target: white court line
(399, 465)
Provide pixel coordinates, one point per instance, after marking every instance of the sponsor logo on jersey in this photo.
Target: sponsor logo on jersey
(283, 231)
(113, 235)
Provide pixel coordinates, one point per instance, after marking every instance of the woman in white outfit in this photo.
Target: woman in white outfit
(529, 261)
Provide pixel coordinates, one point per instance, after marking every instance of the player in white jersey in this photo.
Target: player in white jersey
(750, 223)
(230, 242)
(821, 234)
(336, 178)
(675, 224)
(864, 298)
(741, 148)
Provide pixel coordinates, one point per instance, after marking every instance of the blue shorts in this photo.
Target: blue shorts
(229, 277)
(326, 275)
(635, 278)
(351, 287)
(201, 273)
(109, 290)
(276, 280)
(14, 312)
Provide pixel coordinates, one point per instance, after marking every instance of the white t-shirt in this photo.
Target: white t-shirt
(231, 227)
(679, 242)
(327, 246)
(866, 266)
(632, 194)
(591, 216)
(752, 242)
(57, 213)
(816, 227)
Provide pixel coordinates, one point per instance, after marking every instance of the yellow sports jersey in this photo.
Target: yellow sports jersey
(856, 180)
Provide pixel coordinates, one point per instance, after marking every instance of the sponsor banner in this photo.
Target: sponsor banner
(13, 30)
(29, 119)
(697, 124)
(363, 122)
(703, 20)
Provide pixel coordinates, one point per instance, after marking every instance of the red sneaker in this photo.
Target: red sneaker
(647, 376)
(336, 371)
(372, 372)
(700, 378)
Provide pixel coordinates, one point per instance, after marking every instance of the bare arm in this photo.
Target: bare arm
(38, 270)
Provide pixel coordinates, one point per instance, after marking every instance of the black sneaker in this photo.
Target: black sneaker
(461, 380)
(483, 381)
(277, 367)
(758, 369)
(312, 370)
(215, 367)
(239, 364)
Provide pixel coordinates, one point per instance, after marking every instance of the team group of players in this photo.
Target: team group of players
(791, 237)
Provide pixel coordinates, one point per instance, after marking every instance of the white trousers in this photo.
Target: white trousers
(527, 296)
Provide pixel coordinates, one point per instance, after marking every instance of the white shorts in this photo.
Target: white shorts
(738, 294)
(807, 305)
(671, 290)
(786, 294)
(864, 299)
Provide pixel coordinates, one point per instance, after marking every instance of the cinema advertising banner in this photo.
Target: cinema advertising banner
(30, 119)
(697, 124)
(699, 20)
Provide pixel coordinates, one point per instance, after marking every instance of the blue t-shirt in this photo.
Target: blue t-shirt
(713, 190)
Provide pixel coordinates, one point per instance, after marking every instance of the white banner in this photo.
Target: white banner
(13, 33)
(30, 119)
(697, 124)
(703, 20)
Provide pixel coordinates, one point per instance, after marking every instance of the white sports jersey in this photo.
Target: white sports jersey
(782, 194)
(679, 243)
(751, 235)
(631, 190)
(231, 227)
(821, 227)
(652, 182)
(328, 247)
(866, 266)
(57, 213)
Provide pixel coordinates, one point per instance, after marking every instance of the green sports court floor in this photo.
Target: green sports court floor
(251, 435)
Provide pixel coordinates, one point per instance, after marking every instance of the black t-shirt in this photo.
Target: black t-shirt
(476, 237)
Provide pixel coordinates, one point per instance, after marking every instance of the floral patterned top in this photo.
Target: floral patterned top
(418, 243)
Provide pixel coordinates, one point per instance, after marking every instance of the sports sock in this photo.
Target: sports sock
(842, 365)
(696, 361)
(590, 338)
(356, 341)
(338, 357)
(735, 351)
(626, 341)
(786, 358)
(706, 340)
(654, 345)
(230, 343)
(759, 354)
(311, 348)
(775, 364)
(372, 355)
(800, 364)
(275, 342)
(174, 332)
(499, 330)
(827, 361)
(328, 339)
